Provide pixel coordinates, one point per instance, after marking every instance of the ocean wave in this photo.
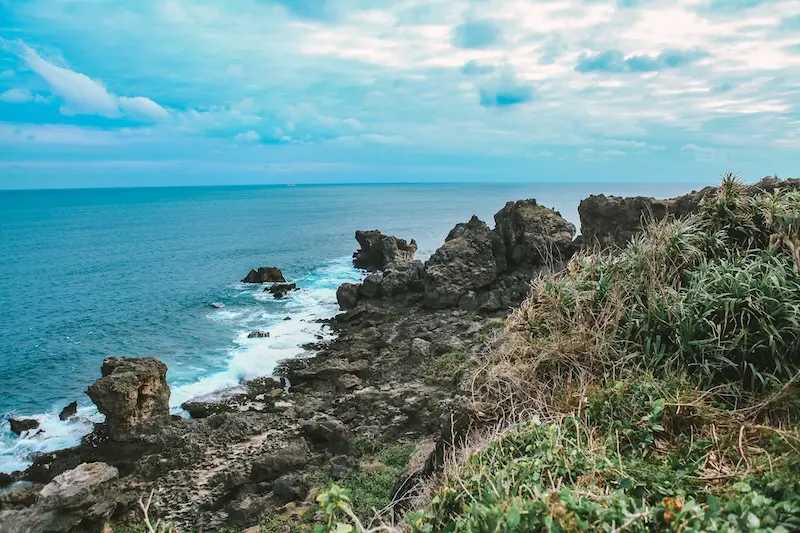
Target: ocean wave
(250, 309)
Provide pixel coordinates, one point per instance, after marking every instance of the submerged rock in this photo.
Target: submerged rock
(69, 411)
(21, 425)
(265, 275)
(379, 251)
(132, 393)
(218, 305)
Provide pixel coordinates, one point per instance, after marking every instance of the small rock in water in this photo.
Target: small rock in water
(265, 275)
(288, 318)
(21, 425)
(279, 290)
(258, 335)
(69, 411)
(217, 305)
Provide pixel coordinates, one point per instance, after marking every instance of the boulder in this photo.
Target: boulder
(533, 234)
(290, 488)
(265, 275)
(132, 393)
(218, 305)
(347, 295)
(258, 335)
(379, 251)
(342, 466)
(326, 432)
(371, 286)
(467, 261)
(279, 462)
(81, 499)
(21, 425)
(280, 290)
(69, 411)
(421, 349)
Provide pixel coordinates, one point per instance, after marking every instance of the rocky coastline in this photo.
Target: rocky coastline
(391, 375)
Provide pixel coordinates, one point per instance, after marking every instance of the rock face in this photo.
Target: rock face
(466, 261)
(379, 251)
(612, 220)
(533, 234)
(21, 425)
(131, 393)
(69, 411)
(82, 499)
(265, 275)
(273, 465)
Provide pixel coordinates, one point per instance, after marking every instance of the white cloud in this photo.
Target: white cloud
(248, 136)
(21, 96)
(82, 95)
(142, 108)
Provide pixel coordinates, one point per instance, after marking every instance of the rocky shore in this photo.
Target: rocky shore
(391, 375)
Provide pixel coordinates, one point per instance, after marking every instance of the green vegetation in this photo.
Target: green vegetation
(654, 389)
(444, 368)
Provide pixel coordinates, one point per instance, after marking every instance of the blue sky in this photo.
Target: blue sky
(158, 92)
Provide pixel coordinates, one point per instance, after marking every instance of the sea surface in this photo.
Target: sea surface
(95, 272)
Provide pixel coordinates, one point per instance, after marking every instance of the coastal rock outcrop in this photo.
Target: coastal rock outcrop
(132, 393)
(265, 275)
(21, 425)
(379, 251)
(466, 261)
(613, 220)
(533, 234)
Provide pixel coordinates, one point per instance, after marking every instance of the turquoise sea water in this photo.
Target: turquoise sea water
(89, 273)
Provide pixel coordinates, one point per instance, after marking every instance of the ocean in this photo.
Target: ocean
(95, 272)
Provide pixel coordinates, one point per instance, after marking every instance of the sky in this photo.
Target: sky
(177, 92)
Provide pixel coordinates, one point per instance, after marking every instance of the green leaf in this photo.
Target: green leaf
(343, 528)
(513, 517)
(658, 406)
(752, 521)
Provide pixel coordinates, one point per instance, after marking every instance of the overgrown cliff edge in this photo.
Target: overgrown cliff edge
(642, 377)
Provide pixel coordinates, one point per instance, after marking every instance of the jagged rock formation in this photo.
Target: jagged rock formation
(612, 220)
(132, 393)
(265, 275)
(476, 267)
(378, 251)
(69, 411)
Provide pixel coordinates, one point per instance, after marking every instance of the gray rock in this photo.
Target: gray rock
(132, 393)
(347, 295)
(290, 488)
(533, 234)
(421, 348)
(265, 275)
(326, 432)
(379, 251)
(348, 381)
(465, 262)
(342, 466)
(280, 290)
(277, 463)
(371, 286)
(258, 335)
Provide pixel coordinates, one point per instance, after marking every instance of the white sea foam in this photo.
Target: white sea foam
(246, 358)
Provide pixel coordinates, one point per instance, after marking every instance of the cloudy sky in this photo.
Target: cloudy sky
(152, 92)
